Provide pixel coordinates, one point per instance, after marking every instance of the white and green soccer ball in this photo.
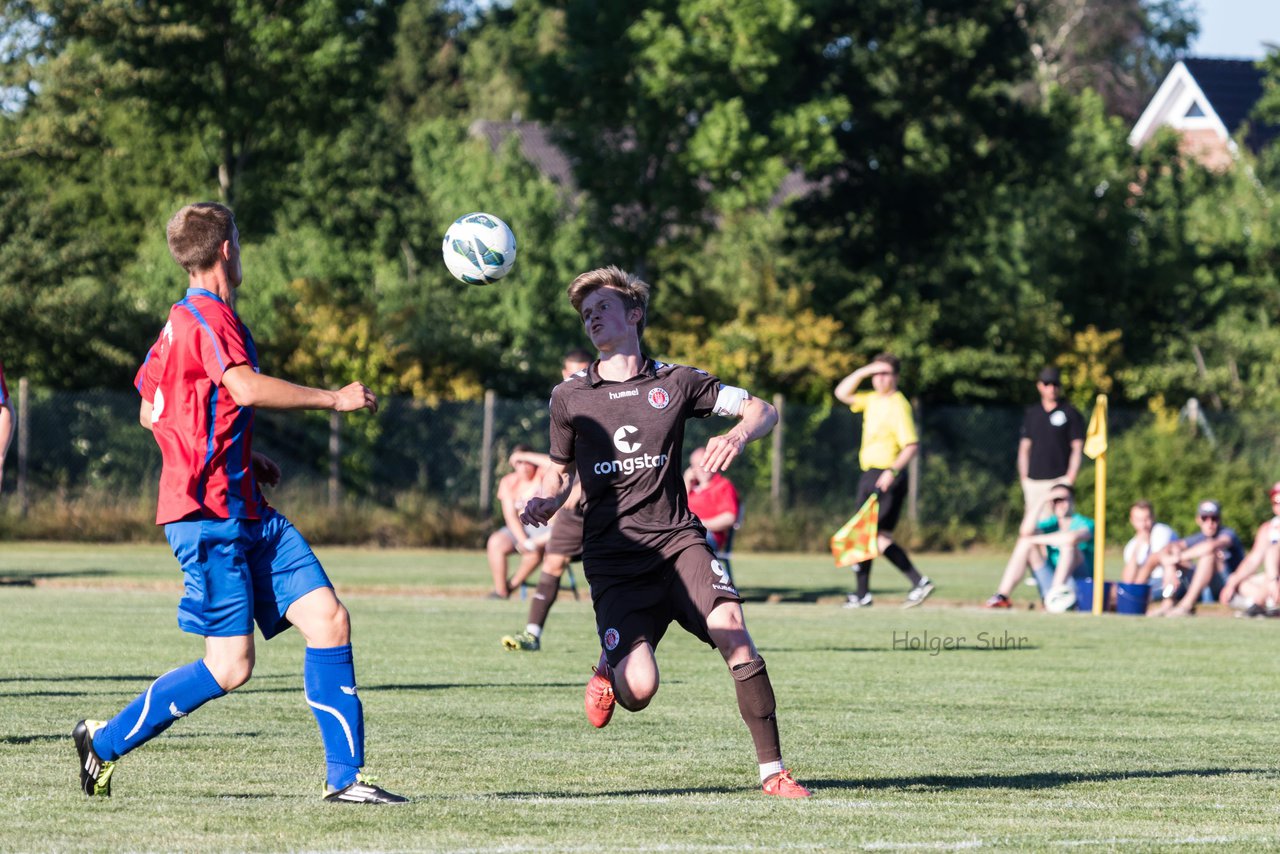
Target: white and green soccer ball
(479, 248)
(1060, 599)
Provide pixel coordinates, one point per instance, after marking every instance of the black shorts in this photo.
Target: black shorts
(566, 534)
(636, 609)
(890, 502)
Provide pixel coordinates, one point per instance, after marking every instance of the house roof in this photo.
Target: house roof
(536, 145)
(1203, 93)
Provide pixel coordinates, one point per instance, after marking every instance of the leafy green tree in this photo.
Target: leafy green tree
(673, 111)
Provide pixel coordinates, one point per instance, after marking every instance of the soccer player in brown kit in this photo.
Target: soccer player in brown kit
(644, 553)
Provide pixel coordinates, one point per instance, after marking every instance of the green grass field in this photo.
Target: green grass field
(1039, 732)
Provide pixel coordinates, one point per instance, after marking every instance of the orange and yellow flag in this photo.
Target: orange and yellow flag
(856, 541)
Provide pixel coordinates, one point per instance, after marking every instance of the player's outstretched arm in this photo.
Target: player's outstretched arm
(557, 482)
(249, 388)
(755, 421)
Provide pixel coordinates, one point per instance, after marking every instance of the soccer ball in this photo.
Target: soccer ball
(479, 248)
(1060, 599)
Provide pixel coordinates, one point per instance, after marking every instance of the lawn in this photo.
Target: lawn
(940, 727)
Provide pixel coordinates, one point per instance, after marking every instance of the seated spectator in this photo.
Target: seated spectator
(1193, 564)
(514, 538)
(1058, 549)
(1149, 537)
(713, 499)
(1254, 587)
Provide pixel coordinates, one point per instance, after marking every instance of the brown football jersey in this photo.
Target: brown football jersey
(626, 439)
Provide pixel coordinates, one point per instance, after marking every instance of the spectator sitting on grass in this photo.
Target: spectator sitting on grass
(1248, 590)
(1149, 537)
(1192, 564)
(1058, 549)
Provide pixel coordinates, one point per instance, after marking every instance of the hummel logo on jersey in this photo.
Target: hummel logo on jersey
(616, 395)
(620, 441)
(350, 692)
(175, 711)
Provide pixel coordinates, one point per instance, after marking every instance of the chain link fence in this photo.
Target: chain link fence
(797, 486)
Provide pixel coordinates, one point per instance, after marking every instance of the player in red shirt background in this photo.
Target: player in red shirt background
(7, 422)
(242, 561)
(713, 499)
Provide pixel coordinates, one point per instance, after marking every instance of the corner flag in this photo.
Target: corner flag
(1095, 448)
(1095, 438)
(856, 540)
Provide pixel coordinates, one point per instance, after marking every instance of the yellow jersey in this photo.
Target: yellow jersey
(888, 426)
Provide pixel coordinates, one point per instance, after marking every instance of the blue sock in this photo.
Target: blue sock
(174, 695)
(329, 677)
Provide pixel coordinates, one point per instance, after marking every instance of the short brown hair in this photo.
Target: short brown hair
(634, 290)
(1144, 504)
(196, 234)
(890, 360)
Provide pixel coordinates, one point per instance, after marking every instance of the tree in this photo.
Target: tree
(1121, 49)
(246, 79)
(674, 111)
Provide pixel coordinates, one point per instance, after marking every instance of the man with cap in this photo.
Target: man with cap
(1208, 557)
(1050, 448)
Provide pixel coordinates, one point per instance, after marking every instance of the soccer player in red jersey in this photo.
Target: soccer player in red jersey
(242, 561)
(621, 423)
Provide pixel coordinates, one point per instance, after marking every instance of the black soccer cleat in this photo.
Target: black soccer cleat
(362, 791)
(95, 774)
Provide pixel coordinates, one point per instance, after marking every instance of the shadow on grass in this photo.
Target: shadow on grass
(24, 578)
(66, 736)
(96, 678)
(927, 783)
(1046, 780)
(791, 594)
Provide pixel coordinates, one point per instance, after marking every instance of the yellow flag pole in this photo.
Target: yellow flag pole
(1100, 530)
(1099, 501)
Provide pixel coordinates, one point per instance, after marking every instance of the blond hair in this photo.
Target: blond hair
(633, 289)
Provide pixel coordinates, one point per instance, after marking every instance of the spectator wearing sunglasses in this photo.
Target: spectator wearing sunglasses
(1203, 560)
(1059, 550)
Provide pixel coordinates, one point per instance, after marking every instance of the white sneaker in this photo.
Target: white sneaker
(855, 602)
(919, 593)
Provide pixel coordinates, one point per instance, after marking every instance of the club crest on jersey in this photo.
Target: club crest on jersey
(658, 398)
(611, 638)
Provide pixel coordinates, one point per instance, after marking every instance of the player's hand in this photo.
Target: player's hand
(885, 480)
(723, 450)
(355, 396)
(538, 511)
(265, 469)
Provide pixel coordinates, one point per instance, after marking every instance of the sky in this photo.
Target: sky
(1236, 28)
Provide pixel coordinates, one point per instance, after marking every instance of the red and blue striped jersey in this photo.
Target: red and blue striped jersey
(205, 438)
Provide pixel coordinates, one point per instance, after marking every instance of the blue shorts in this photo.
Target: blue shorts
(238, 571)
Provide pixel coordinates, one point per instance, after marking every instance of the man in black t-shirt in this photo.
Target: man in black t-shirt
(621, 424)
(1051, 446)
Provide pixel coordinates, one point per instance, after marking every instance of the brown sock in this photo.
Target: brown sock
(543, 598)
(757, 706)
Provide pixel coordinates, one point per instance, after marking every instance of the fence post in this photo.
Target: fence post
(486, 450)
(24, 447)
(913, 477)
(779, 446)
(335, 459)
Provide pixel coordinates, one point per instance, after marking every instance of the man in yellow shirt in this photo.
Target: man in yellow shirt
(889, 441)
